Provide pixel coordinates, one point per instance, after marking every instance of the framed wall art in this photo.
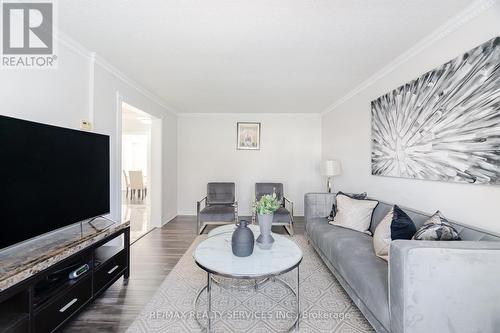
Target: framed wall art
(248, 136)
(444, 125)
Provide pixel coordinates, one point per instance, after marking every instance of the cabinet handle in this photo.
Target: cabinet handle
(113, 269)
(66, 307)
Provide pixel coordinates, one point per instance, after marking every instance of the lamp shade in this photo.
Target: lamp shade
(332, 168)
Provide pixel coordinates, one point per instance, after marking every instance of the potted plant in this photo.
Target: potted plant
(265, 209)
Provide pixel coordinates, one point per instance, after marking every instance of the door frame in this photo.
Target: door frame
(156, 163)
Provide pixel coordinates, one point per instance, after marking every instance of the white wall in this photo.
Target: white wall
(78, 90)
(57, 96)
(346, 135)
(290, 153)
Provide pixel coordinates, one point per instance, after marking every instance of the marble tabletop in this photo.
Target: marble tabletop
(215, 255)
(26, 259)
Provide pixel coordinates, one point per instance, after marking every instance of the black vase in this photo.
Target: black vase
(243, 240)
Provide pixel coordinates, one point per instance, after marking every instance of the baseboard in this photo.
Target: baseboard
(239, 215)
(168, 220)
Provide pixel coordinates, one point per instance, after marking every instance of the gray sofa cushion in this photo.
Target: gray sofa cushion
(282, 215)
(418, 218)
(465, 233)
(351, 253)
(217, 213)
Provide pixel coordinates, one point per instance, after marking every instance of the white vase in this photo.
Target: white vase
(265, 240)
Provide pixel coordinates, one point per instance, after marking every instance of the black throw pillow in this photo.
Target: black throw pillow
(395, 225)
(402, 227)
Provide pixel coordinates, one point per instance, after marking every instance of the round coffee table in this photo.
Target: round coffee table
(214, 255)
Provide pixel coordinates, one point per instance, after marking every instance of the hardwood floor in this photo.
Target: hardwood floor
(152, 258)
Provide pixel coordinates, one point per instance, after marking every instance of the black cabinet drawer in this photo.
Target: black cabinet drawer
(109, 270)
(51, 316)
(14, 323)
(21, 328)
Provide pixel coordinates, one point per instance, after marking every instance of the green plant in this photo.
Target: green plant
(267, 204)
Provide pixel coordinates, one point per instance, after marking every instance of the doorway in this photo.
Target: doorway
(136, 174)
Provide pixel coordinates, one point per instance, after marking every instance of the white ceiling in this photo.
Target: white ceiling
(252, 55)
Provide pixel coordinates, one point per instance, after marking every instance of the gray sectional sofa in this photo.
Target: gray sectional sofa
(427, 286)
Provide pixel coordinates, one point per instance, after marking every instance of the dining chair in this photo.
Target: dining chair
(137, 184)
(127, 183)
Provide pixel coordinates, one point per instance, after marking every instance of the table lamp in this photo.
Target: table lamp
(331, 168)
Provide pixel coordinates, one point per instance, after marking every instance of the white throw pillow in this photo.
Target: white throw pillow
(354, 214)
(382, 236)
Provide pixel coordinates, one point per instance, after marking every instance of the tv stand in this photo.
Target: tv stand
(90, 222)
(36, 293)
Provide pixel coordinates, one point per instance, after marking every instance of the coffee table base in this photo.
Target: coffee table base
(211, 280)
(257, 283)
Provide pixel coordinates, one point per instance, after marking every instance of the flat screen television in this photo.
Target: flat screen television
(50, 177)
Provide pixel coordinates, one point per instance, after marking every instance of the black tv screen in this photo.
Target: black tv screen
(50, 177)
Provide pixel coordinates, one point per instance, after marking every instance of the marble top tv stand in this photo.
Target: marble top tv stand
(36, 295)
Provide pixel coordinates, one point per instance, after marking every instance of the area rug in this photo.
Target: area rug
(325, 307)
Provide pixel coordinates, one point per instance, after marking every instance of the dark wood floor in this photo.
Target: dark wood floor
(152, 258)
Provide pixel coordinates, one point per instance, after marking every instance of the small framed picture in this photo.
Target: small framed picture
(248, 137)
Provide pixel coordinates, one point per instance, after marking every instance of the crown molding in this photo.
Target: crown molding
(76, 47)
(72, 44)
(453, 24)
(103, 63)
(247, 114)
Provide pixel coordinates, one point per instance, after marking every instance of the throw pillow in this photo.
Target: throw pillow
(354, 214)
(360, 196)
(437, 228)
(395, 225)
(382, 236)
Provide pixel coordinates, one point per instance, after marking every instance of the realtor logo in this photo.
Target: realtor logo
(27, 34)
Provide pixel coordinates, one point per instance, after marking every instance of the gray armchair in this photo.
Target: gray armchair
(284, 215)
(220, 206)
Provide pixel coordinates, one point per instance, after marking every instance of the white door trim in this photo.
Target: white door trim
(156, 166)
(118, 157)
